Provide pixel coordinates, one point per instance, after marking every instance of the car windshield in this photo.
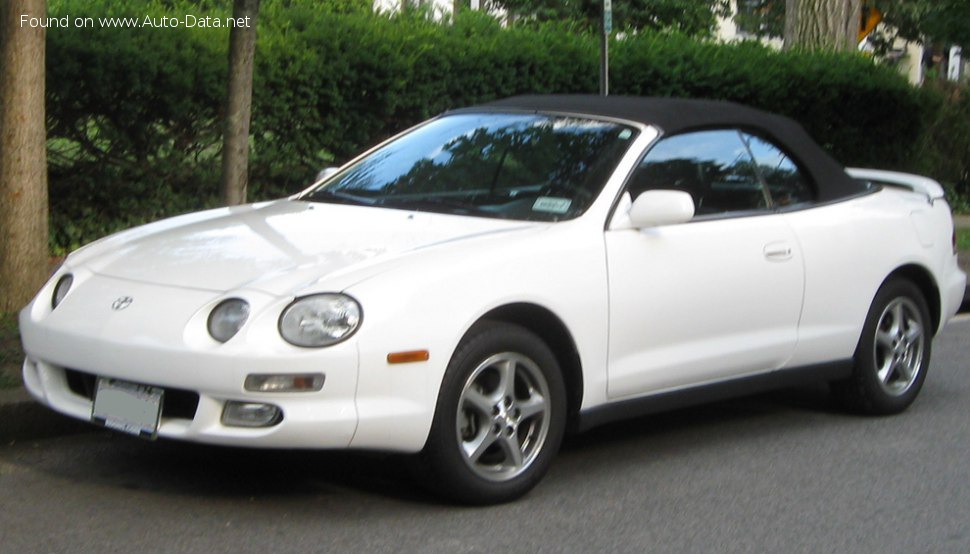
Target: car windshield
(515, 166)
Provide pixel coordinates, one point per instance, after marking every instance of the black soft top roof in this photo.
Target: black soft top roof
(676, 115)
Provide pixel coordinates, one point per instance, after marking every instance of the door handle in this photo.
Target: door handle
(778, 251)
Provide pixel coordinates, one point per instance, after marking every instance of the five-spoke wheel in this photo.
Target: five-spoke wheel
(500, 416)
(503, 416)
(893, 352)
(898, 348)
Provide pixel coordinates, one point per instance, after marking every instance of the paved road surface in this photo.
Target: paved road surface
(783, 472)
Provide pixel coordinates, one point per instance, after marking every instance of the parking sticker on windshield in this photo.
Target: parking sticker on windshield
(551, 204)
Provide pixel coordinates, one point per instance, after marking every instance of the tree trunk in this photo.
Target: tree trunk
(822, 24)
(235, 147)
(24, 254)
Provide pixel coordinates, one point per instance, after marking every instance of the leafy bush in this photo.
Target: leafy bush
(135, 114)
(11, 356)
(862, 113)
(943, 149)
(134, 121)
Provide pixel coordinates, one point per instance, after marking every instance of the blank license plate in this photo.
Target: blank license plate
(128, 407)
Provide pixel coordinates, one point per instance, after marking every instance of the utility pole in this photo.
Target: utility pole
(605, 47)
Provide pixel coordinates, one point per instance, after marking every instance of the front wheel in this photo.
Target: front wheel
(500, 417)
(893, 354)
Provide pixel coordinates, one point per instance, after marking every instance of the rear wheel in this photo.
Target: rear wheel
(500, 417)
(893, 354)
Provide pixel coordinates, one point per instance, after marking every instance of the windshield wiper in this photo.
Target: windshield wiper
(336, 197)
(432, 203)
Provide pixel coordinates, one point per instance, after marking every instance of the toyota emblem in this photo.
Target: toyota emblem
(121, 303)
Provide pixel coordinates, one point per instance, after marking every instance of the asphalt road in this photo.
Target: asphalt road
(783, 472)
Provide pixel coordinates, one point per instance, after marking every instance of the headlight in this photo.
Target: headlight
(320, 320)
(227, 318)
(60, 289)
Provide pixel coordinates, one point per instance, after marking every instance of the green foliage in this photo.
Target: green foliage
(963, 239)
(691, 17)
(863, 113)
(136, 107)
(943, 21)
(134, 115)
(762, 18)
(8, 325)
(943, 149)
(11, 356)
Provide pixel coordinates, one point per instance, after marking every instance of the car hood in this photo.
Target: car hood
(275, 247)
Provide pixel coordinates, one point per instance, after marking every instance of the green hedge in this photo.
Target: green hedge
(862, 113)
(134, 114)
(942, 150)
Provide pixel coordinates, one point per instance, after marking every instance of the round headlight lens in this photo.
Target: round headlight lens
(320, 320)
(60, 289)
(227, 318)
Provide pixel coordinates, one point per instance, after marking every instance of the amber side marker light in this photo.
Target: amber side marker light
(408, 357)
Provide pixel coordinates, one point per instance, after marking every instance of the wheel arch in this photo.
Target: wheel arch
(924, 281)
(551, 329)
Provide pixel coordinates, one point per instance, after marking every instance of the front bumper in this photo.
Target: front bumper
(310, 420)
(161, 340)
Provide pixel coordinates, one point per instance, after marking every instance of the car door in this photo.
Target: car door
(707, 300)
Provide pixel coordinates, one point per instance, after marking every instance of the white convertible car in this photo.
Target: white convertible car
(475, 287)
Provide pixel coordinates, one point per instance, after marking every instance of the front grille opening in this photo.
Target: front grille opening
(176, 404)
(81, 384)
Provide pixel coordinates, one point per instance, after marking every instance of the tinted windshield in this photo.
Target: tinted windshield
(516, 166)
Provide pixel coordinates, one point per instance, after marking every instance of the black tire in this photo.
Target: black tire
(893, 354)
(476, 408)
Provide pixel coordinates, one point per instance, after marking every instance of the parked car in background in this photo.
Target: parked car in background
(473, 288)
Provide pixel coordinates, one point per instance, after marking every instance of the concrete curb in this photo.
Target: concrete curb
(23, 418)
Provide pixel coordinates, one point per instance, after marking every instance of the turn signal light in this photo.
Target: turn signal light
(293, 382)
(408, 357)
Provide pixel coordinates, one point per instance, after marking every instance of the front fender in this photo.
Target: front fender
(429, 302)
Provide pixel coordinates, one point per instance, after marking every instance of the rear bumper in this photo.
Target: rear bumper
(954, 290)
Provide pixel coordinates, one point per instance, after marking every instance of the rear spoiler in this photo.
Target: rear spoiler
(925, 186)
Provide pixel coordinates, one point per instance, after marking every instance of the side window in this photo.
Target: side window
(714, 167)
(786, 183)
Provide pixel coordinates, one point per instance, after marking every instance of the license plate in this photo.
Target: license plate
(128, 407)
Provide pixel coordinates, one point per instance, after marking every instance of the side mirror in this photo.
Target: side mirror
(324, 173)
(654, 208)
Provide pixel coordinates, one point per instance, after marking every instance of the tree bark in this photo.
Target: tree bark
(235, 148)
(24, 254)
(822, 24)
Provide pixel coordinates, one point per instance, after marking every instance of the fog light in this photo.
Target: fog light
(250, 414)
(300, 382)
